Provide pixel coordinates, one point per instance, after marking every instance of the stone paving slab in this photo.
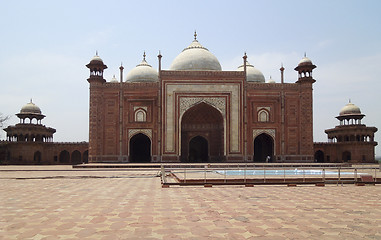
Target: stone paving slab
(70, 204)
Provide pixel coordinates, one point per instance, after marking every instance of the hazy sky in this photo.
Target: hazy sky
(45, 46)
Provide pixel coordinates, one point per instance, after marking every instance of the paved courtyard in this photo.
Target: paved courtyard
(58, 202)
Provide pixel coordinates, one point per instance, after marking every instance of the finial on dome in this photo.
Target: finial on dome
(305, 54)
(349, 100)
(31, 100)
(195, 35)
(96, 53)
(144, 55)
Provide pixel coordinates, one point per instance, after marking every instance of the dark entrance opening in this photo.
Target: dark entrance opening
(37, 157)
(263, 148)
(76, 157)
(198, 150)
(206, 121)
(319, 156)
(64, 157)
(346, 156)
(85, 157)
(140, 149)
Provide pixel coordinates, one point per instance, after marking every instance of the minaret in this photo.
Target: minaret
(121, 68)
(96, 81)
(305, 82)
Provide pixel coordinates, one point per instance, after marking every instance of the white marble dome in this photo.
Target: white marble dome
(350, 109)
(113, 79)
(252, 73)
(270, 80)
(30, 108)
(143, 72)
(196, 58)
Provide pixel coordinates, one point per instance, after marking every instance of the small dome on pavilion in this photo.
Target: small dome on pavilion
(143, 72)
(305, 61)
(350, 109)
(252, 73)
(96, 59)
(30, 108)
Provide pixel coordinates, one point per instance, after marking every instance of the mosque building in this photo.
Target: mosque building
(197, 112)
(194, 112)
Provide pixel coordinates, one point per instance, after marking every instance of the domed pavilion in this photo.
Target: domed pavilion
(351, 141)
(30, 128)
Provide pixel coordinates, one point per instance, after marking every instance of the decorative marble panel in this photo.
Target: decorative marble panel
(257, 132)
(145, 131)
(188, 102)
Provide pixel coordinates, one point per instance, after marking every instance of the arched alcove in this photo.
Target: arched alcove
(140, 149)
(263, 147)
(206, 121)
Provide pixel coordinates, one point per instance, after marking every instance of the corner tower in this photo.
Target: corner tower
(305, 81)
(96, 81)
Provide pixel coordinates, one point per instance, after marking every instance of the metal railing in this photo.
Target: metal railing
(267, 174)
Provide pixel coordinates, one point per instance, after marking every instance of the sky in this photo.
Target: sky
(45, 45)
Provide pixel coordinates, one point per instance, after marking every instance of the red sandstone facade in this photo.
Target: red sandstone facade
(194, 112)
(200, 116)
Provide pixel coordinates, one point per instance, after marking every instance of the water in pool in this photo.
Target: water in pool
(278, 172)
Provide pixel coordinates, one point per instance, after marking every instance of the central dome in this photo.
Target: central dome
(196, 58)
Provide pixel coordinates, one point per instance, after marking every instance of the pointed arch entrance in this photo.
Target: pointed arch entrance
(140, 149)
(202, 132)
(263, 147)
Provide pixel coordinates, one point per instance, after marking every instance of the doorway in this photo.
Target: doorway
(263, 148)
(140, 149)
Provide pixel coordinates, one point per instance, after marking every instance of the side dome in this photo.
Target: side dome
(143, 72)
(350, 109)
(252, 73)
(196, 58)
(271, 80)
(113, 79)
(30, 108)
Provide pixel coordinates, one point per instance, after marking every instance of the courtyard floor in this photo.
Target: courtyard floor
(59, 202)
